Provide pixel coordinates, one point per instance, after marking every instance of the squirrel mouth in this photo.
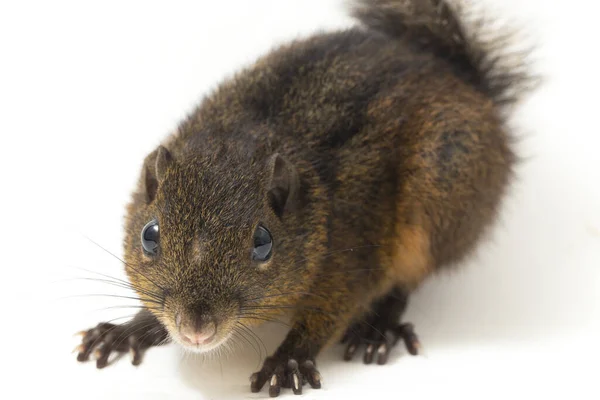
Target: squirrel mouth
(203, 347)
(199, 334)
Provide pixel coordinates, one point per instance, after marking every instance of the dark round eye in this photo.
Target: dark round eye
(263, 244)
(150, 237)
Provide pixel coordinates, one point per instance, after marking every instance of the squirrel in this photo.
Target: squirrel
(326, 181)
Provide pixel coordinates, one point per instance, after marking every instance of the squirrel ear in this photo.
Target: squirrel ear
(155, 166)
(284, 185)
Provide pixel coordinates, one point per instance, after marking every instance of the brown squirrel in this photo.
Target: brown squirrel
(328, 180)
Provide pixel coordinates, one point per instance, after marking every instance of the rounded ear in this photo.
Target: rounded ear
(155, 166)
(283, 185)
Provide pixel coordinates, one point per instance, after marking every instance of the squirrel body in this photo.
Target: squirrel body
(371, 157)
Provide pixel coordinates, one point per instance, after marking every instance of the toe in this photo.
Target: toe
(83, 356)
(296, 382)
(274, 386)
(310, 373)
(351, 348)
(294, 376)
(383, 352)
(102, 355)
(135, 350)
(87, 346)
(411, 341)
(257, 381)
(369, 352)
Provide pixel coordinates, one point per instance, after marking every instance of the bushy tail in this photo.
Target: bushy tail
(482, 52)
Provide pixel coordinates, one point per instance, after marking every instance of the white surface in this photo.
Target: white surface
(86, 90)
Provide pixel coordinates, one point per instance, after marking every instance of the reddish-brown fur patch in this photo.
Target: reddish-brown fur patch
(411, 257)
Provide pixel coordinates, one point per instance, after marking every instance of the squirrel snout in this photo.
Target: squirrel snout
(197, 332)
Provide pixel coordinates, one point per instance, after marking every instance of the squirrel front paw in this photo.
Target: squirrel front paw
(374, 336)
(286, 372)
(107, 338)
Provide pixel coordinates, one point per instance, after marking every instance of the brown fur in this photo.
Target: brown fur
(393, 160)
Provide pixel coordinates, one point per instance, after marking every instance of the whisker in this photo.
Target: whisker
(123, 285)
(115, 319)
(263, 318)
(257, 338)
(128, 333)
(101, 274)
(109, 295)
(112, 278)
(283, 294)
(124, 263)
(282, 307)
(157, 329)
(242, 335)
(348, 271)
(132, 306)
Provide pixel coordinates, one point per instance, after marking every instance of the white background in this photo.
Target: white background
(88, 89)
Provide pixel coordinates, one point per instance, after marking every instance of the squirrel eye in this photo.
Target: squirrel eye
(263, 244)
(150, 237)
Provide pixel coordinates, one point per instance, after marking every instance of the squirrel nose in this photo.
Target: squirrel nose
(197, 334)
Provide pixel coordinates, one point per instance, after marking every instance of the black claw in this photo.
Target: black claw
(407, 334)
(294, 377)
(136, 359)
(88, 344)
(315, 382)
(369, 352)
(382, 353)
(350, 350)
(102, 355)
(256, 382)
(413, 347)
(82, 357)
(134, 348)
(274, 386)
(261, 380)
(310, 374)
(296, 382)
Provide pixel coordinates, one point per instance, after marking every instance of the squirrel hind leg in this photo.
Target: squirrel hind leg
(380, 330)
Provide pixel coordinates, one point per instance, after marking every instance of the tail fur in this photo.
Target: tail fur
(439, 26)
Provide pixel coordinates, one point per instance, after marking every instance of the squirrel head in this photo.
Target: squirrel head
(206, 244)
